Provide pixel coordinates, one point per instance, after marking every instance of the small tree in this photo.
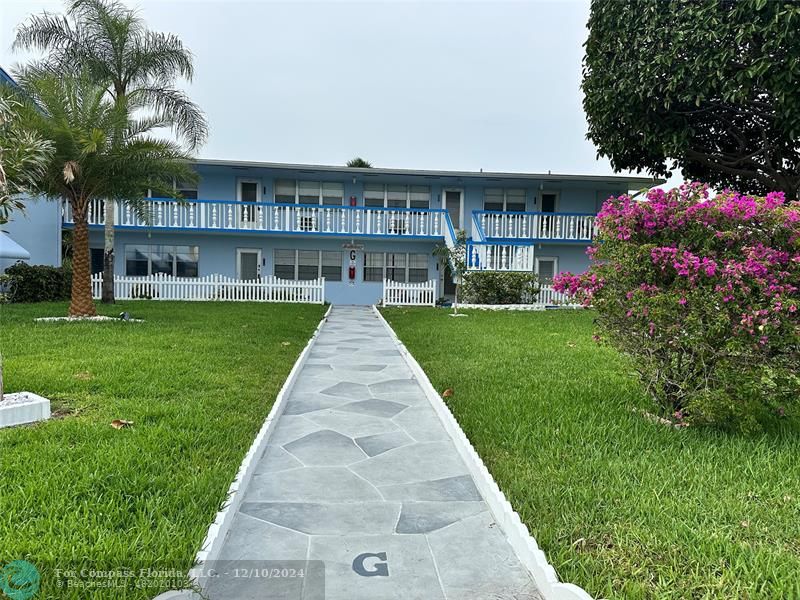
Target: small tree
(702, 293)
(359, 162)
(456, 257)
(91, 160)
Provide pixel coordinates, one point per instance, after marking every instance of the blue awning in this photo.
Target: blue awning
(11, 249)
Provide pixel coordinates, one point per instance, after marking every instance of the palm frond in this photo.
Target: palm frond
(174, 106)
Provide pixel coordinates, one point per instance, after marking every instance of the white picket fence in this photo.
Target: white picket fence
(549, 297)
(213, 287)
(396, 293)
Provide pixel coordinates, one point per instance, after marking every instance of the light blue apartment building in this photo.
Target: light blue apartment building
(355, 227)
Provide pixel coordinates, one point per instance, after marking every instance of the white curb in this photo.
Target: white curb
(20, 408)
(523, 543)
(215, 538)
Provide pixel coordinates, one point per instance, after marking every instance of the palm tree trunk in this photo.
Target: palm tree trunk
(107, 296)
(81, 304)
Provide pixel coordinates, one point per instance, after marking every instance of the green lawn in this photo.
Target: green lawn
(623, 507)
(197, 380)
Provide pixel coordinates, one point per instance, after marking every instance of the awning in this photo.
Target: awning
(11, 249)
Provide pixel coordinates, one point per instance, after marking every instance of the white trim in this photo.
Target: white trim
(463, 225)
(556, 202)
(217, 532)
(521, 541)
(239, 252)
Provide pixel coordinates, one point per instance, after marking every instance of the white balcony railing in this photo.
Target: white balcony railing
(484, 256)
(275, 218)
(576, 227)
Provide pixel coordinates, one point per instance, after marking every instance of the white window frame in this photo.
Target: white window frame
(319, 261)
(297, 192)
(556, 202)
(505, 197)
(554, 260)
(384, 267)
(408, 187)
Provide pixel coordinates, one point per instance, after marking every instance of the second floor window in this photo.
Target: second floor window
(288, 191)
(378, 195)
(504, 199)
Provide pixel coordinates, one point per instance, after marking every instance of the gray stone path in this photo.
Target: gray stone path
(360, 474)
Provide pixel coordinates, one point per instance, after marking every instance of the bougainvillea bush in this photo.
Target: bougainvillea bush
(702, 293)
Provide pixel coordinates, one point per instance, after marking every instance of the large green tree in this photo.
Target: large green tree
(711, 87)
(99, 150)
(110, 43)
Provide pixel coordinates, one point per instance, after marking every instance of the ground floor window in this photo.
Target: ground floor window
(181, 261)
(308, 264)
(396, 266)
(546, 269)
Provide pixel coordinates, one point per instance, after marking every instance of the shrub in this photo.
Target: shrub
(491, 287)
(702, 293)
(38, 283)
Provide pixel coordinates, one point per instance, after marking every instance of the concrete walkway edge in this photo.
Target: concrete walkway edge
(215, 537)
(520, 539)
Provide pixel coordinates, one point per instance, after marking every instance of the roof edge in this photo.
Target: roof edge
(635, 179)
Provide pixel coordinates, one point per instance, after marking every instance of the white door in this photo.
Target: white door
(248, 191)
(453, 203)
(248, 263)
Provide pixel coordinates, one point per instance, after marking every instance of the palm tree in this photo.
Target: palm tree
(111, 43)
(99, 151)
(359, 162)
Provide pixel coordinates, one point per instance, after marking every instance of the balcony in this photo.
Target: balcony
(533, 226)
(266, 217)
(486, 256)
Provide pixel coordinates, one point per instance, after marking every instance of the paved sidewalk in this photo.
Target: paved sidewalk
(361, 475)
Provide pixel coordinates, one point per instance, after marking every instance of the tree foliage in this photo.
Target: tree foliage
(359, 162)
(711, 87)
(110, 44)
(23, 156)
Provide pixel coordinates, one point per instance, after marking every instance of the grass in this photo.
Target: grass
(197, 380)
(625, 508)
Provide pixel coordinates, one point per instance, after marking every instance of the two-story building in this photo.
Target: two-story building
(356, 226)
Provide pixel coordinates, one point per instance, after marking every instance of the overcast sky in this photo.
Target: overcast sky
(456, 85)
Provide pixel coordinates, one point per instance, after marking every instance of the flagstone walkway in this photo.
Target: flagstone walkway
(360, 474)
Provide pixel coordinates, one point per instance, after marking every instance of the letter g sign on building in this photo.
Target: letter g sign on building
(379, 569)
